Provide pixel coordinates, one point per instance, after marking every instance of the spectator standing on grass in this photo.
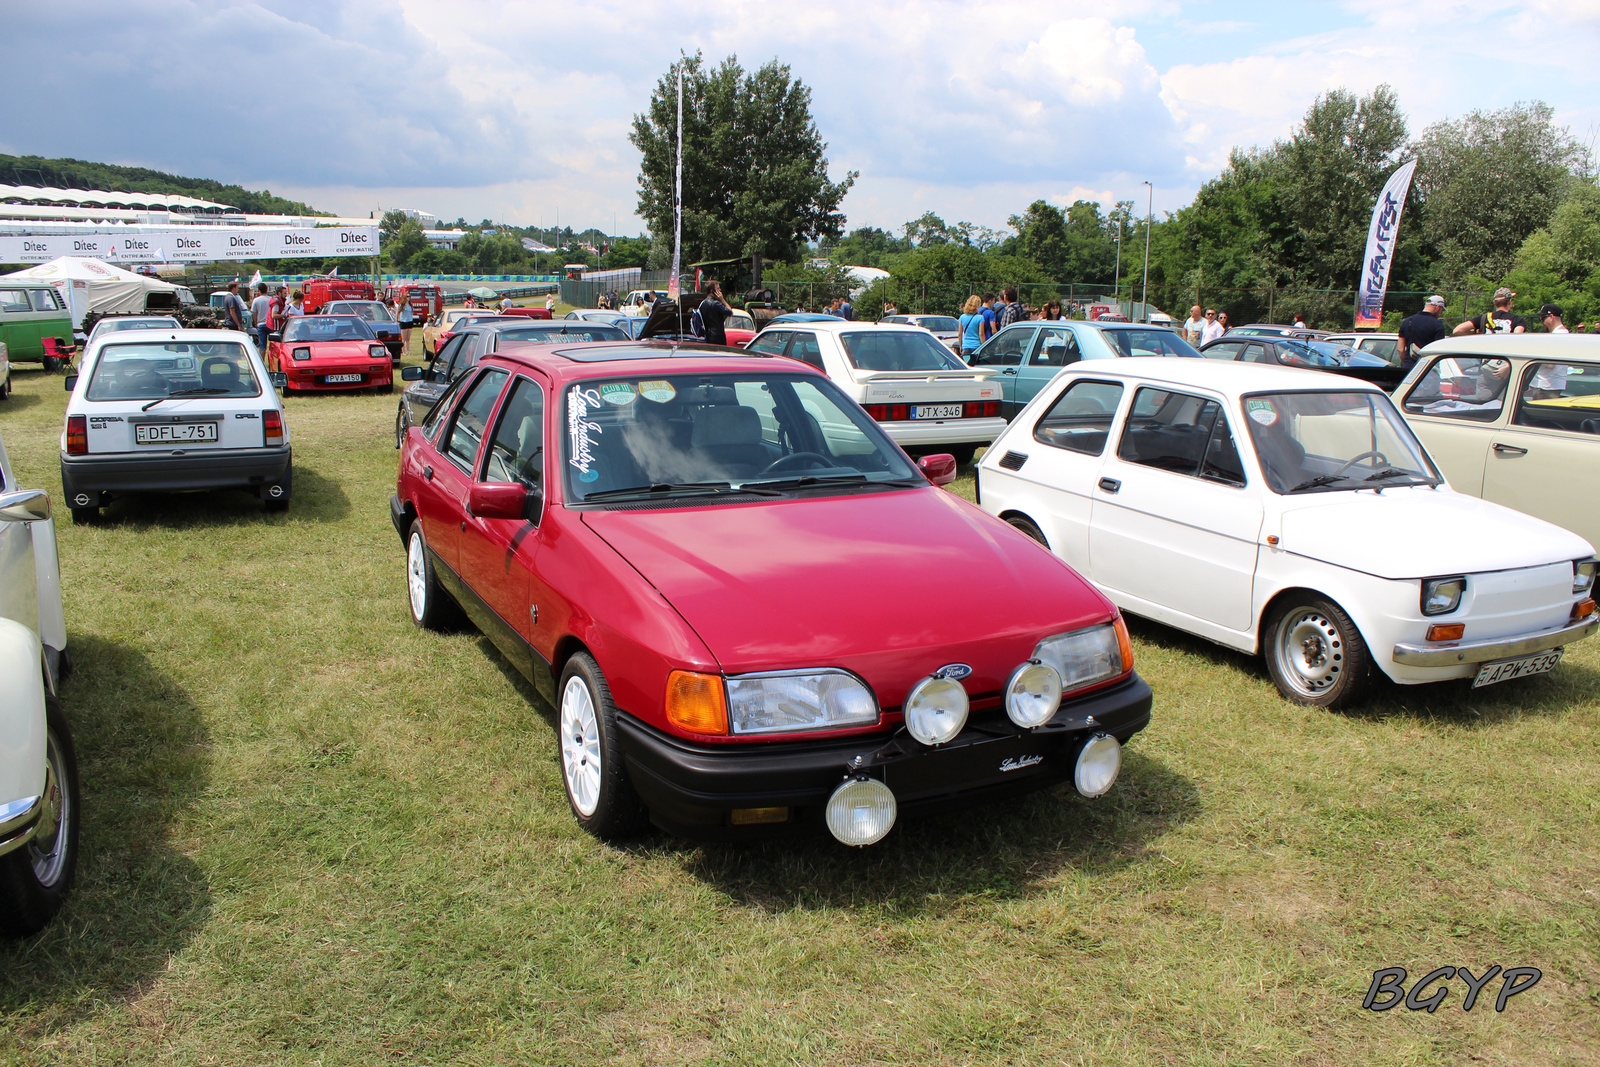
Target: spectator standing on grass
(714, 312)
(550, 303)
(1500, 320)
(1420, 330)
(470, 302)
(1193, 326)
(1212, 329)
(1012, 310)
(991, 318)
(845, 310)
(1051, 311)
(407, 319)
(261, 315)
(1222, 320)
(295, 306)
(279, 298)
(971, 324)
(890, 308)
(234, 313)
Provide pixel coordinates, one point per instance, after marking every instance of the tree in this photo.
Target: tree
(439, 261)
(1560, 263)
(407, 241)
(1485, 183)
(868, 246)
(628, 252)
(755, 178)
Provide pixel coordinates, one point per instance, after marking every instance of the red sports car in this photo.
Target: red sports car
(330, 352)
(748, 606)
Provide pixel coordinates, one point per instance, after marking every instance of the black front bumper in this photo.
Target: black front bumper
(233, 468)
(692, 789)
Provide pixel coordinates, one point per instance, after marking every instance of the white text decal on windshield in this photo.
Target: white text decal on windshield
(579, 427)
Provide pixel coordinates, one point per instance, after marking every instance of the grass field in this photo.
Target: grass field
(316, 835)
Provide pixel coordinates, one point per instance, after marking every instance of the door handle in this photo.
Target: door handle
(1509, 450)
(1110, 485)
(427, 472)
(1009, 370)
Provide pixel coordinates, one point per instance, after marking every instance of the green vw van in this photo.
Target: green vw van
(30, 312)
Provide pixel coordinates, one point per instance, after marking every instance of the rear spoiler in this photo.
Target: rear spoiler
(977, 374)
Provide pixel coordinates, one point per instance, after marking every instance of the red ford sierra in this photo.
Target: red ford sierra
(330, 352)
(748, 607)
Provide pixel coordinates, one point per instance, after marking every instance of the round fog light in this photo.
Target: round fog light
(1033, 694)
(1098, 764)
(936, 710)
(861, 811)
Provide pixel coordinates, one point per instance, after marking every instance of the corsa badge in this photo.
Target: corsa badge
(953, 671)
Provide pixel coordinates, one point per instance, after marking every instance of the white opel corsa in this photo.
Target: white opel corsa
(172, 410)
(1290, 513)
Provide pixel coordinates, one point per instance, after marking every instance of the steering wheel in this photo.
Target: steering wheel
(797, 461)
(1379, 456)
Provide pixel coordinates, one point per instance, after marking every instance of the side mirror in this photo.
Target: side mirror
(498, 500)
(279, 380)
(413, 374)
(940, 468)
(70, 381)
(275, 337)
(25, 505)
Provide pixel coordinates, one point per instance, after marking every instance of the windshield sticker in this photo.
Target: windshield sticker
(618, 393)
(659, 391)
(579, 427)
(1262, 411)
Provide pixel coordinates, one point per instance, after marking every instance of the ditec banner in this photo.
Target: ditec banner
(1380, 248)
(193, 243)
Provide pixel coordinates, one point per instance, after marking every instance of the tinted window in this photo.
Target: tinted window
(466, 432)
(1080, 418)
(1224, 350)
(517, 452)
(152, 371)
(1461, 387)
(805, 348)
(1560, 396)
(431, 422)
(564, 334)
(1148, 343)
(770, 342)
(897, 350)
(441, 362)
(1174, 432)
(467, 354)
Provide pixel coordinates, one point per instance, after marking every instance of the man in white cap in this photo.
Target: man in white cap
(1420, 330)
(1500, 320)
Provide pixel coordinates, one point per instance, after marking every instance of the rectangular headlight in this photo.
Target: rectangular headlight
(1441, 596)
(783, 701)
(1583, 571)
(302, 353)
(1083, 657)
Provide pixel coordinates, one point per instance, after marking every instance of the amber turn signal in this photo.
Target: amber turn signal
(697, 702)
(1446, 631)
(1583, 609)
(757, 816)
(1124, 642)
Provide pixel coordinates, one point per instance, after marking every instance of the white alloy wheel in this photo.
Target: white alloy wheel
(580, 746)
(417, 575)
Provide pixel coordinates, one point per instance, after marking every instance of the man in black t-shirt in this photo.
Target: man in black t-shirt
(1420, 330)
(1500, 320)
(714, 311)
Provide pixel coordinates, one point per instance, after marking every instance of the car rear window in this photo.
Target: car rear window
(897, 350)
(157, 371)
(565, 334)
(1148, 343)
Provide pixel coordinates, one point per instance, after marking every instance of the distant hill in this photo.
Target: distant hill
(81, 174)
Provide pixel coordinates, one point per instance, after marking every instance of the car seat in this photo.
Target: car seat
(730, 435)
(1281, 458)
(219, 373)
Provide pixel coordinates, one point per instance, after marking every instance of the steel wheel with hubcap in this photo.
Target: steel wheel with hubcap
(1316, 655)
(431, 606)
(35, 879)
(592, 772)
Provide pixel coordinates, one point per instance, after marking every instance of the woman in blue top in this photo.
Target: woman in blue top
(972, 326)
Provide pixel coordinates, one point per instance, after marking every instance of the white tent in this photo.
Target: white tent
(90, 285)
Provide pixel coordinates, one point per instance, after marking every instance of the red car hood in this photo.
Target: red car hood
(892, 585)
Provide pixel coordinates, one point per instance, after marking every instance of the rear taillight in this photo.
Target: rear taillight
(889, 412)
(77, 435)
(272, 427)
(982, 409)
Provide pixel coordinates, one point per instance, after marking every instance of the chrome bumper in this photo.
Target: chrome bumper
(19, 821)
(1458, 652)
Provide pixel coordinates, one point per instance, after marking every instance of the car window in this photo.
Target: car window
(309, 328)
(435, 417)
(466, 431)
(1560, 396)
(1180, 433)
(758, 397)
(936, 323)
(1259, 353)
(770, 342)
(805, 348)
(1317, 441)
(897, 350)
(549, 334)
(516, 454)
(1384, 347)
(1461, 387)
(1224, 350)
(14, 300)
(1004, 349)
(447, 352)
(140, 371)
(467, 355)
(1080, 418)
(1137, 342)
(45, 300)
(1054, 348)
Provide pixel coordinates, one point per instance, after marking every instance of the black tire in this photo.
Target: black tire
(36, 878)
(275, 505)
(1026, 525)
(399, 435)
(85, 516)
(431, 607)
(1315, 654)
(592, 769)
(963, 454)
(386, 389)
(5, 388)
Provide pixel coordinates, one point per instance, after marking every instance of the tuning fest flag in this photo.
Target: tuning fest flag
(1381, 238)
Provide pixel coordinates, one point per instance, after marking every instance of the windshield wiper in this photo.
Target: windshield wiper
(1321, 479)
(803, 481)
(662, 488)
(207, 391)
(1395, 472)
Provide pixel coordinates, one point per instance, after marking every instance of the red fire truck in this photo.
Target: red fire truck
(320, 288)
(426, 300)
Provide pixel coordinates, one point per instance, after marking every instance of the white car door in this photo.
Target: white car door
(1175, 523)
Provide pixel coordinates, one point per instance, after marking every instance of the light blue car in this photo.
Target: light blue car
(1029, 354)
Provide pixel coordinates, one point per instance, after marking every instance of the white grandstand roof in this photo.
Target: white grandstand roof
(92, 198)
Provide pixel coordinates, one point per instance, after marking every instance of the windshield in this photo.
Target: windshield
(1312, 353)
(155, 371)
(897, 350)
(566, 333)
(305, 328)
(371, 312)
(738, 320)
(697, 434)
(1148, 343)
(1319, 442)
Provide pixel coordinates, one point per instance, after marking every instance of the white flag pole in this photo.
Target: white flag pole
(677, 206)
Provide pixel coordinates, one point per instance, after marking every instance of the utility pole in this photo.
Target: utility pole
(1150, 210)
(1116, 279)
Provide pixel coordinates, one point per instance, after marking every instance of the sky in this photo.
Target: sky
(519, 111)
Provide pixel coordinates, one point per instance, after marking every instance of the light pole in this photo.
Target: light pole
(1116, 280)
(1144, 296)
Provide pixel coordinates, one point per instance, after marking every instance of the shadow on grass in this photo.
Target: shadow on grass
(142, 761)
(316, 499)
(18, 401)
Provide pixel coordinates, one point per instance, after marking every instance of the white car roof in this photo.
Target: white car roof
(1224, 376)
(1532, 345)
(852, 326)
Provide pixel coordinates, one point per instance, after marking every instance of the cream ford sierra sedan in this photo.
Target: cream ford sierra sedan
(1289, 513)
